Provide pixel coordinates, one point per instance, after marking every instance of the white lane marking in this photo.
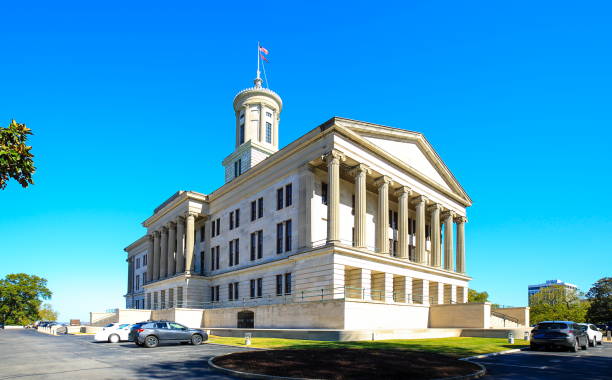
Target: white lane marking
(512, 365)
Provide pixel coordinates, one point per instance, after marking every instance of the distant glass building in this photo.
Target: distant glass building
(533, 289)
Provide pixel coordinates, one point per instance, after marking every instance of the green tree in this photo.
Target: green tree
(46, 313)
(16, 160)
(20, 298)
(556, 303)
(477, 297)
(600, 298)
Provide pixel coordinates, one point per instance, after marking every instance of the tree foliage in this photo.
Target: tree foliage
(600, 298)
(20, 298)
(477, 297)
(46, 313)
(557, 303)
(16, 160)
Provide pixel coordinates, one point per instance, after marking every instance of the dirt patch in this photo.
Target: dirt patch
(341, 364)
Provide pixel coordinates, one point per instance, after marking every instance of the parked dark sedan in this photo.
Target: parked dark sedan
(559, 334)
(149, 334)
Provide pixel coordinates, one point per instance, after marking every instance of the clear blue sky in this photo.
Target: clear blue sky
(515, 98)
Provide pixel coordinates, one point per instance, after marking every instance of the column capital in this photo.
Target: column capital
(360, 168)
(164, 230)
(150, 237)
(171, 224)
(434, 207)
(334, 156)
(461, 219)
(403, 190)
(180, 219)
(419, 199)
(384, 180)
(448, 214)
(156, 234)
(191, 213)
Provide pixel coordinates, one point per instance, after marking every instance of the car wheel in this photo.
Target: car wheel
(600, 342)
(585, 345)
(114, 338)
(196, 339)
(574, 348)
(151, 341)
(592, 342)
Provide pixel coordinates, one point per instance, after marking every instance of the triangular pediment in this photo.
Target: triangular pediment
(411, 148)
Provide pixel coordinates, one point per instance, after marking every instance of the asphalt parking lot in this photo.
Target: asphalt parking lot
(592, 364)
(28, 354)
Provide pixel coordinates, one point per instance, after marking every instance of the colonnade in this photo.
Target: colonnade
(406, 197)
(171, 248)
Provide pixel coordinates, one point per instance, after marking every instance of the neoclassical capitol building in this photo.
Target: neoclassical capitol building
(353, 225)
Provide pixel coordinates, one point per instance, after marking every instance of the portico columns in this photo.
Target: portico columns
(171, 248)
(360, 172)
(382, 225)
(180, 244)
(461, 244)
(333, 208)
(435, 235)
(156, 249)
(420, 229)
(262, 136)
(163, 262)
(448, 240)
(189, 241)
(150, 258)
(403, 194)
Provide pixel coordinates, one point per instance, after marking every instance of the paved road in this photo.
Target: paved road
(592, 364)
(27, 354)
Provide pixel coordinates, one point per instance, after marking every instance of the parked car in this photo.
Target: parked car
(595, 336)
(150, 334)
(113, 333)
(559, 334)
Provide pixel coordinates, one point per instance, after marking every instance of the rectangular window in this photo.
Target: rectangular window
(213, 229)
(253, 211)
(279, 238)
(288, 195)
(218, 226)
(253, 289)
(269, 132)
(242, 133)
(288, 235)
(279, 284)
(427, 232)
(137, 262)
(230, 291)
(202, 233)
(231, 253)
(287, 283)
(279, 199)
(260, 207)
(353, 204)
(253, 245)
(268, 114)
(202, 260)
(236, 251)
(259, 287)
(231, 220)
(217, 258)
(237, 218)
(259, 244)
(212, 258)
(324, 193)
(144, 277)
(236, 291)
(137, 282)
(145, 259)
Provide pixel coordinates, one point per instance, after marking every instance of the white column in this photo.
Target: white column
(189, 242)
(403, 195)
(420, 229)
(461, 244)
(171, 249)
(448, 240)
(150, 248)
(180, 245)
(435, 235)
(262, 132)
(156, 252)
(360, 172)
(382, 225)
(333, 159)
(163, 262)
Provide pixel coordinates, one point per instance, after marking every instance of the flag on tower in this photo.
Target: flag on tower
(264, 58)
(263, 50)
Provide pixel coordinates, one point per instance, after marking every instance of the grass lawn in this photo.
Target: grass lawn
(459, 347)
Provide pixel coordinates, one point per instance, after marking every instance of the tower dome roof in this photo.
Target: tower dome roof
(255, 91)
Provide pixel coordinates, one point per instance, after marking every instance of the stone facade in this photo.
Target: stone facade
(351, 225)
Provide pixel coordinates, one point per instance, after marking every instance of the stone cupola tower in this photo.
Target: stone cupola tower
(257, 112)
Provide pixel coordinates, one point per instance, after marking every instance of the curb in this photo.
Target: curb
(247, 375)
(493, 354)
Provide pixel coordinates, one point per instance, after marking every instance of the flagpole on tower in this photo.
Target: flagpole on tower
(258, 49)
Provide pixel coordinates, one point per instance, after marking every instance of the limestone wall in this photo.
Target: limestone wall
(102, 319)
(133, 315)
(520, 313)
(476, 315)
(371, 315)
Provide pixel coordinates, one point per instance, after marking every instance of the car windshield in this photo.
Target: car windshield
(552, 326)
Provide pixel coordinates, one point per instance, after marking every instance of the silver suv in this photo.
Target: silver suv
(149, 334)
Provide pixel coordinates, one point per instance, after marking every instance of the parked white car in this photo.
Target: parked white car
(113, 333)
(595, 336)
